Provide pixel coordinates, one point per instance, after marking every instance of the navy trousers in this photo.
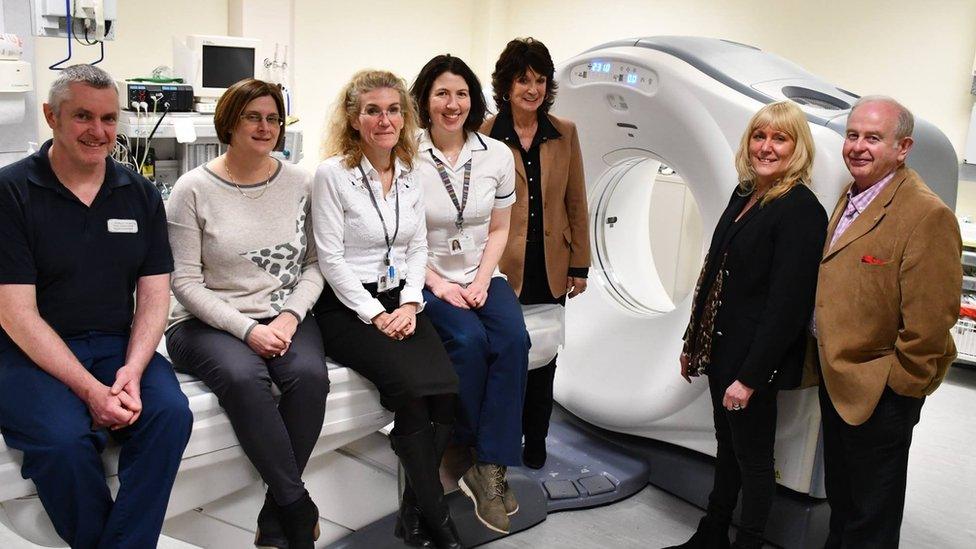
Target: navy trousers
(489, 348)
(41, 417)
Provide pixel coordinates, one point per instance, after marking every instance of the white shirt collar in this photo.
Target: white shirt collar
(473, 143)
(399, 169)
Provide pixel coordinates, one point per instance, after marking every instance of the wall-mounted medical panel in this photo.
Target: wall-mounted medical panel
(90, 19)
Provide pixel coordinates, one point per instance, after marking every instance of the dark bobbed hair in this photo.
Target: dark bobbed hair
(518, 56)
(425, 82)
(232, 103)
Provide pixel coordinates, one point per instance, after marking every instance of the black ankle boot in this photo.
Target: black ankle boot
(746, 540)
(534, 453)
(418, 456)
(710, 535)
(269, 532)
(300, 522)
(409, 524)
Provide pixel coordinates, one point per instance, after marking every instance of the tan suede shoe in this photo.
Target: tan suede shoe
(508, 499)
(484, 484)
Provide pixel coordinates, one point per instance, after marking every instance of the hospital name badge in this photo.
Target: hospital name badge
(123, 226)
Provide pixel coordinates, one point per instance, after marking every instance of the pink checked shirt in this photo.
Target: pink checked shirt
(856, 203)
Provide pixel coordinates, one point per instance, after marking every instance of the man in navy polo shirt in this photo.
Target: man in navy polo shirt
(84, 294)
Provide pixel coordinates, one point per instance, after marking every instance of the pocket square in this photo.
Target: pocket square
(871, 260)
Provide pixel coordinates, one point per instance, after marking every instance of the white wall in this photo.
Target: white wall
(334, 39)
(271, 22)
(918, 51)
(144, 40)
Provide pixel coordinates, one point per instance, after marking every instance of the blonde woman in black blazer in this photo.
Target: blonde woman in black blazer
(749, 320)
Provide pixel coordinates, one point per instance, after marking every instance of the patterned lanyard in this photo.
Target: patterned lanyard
(459, 206)
(376, 206)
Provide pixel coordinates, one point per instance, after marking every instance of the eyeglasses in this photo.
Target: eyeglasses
(255, 119)
(375, 112)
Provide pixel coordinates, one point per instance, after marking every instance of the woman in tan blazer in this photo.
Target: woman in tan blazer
(548, 251)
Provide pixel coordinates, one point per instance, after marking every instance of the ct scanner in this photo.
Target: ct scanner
(659, 120)
(644, 108)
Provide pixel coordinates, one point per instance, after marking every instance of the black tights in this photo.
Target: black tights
(418, 413)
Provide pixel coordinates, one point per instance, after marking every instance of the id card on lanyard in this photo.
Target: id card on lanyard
(461, 242)
(388, 277)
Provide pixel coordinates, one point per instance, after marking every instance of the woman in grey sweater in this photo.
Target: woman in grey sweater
(245, 277)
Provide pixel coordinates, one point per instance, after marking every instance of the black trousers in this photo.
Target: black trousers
(538, 402)
(744, 460)
(277, 436)
(865, 470)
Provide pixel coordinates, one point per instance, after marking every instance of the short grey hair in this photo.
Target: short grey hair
(88, 75)
(906, 121)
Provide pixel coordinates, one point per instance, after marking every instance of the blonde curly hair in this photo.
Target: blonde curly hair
(786, 117)
(342, 139)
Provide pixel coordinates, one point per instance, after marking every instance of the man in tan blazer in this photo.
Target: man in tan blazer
(888, 294)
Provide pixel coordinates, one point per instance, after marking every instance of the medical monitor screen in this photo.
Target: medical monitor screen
(223, 65)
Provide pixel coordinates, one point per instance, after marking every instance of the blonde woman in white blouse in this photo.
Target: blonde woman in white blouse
(368, 215)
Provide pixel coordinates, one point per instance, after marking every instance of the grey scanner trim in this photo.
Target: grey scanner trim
(701, 53)
(729, 63)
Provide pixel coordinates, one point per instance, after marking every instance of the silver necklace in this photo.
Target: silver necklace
(267, 182)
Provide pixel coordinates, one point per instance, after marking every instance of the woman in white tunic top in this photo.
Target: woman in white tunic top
(469, 188)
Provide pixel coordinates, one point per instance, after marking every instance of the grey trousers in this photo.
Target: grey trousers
(277, 437)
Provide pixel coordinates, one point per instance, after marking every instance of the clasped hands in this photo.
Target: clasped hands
(117, 406)
(273, 339)
(400, 324)
(472, 296)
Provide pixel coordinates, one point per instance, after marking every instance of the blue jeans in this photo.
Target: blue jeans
(489, 348)
(41, 417)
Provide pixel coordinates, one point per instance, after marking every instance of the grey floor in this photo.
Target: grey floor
(940, 507)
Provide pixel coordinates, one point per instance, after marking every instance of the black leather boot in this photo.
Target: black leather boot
(442, 438)
(269, 532)
(447, 536)
(746, 540)
(419, 458)
(409, 524)
(710, 535)
(300, 522)
(534, 453)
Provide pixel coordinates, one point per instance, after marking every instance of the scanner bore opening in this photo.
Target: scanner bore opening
(648, 236)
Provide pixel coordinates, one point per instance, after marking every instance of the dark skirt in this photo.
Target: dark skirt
(402, 370)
